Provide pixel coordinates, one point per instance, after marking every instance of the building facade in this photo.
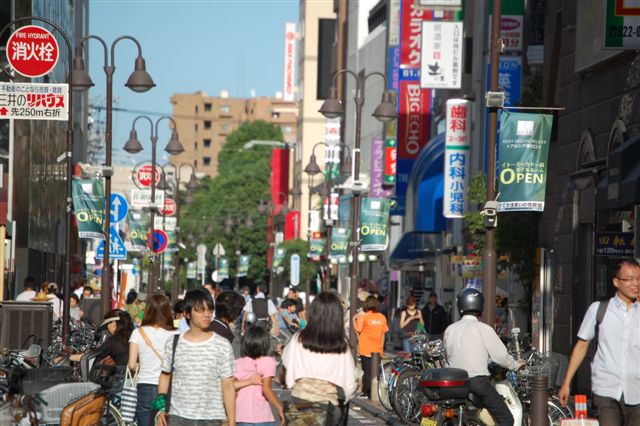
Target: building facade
(203, 123)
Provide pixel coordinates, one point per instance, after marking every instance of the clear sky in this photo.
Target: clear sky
(189, 45)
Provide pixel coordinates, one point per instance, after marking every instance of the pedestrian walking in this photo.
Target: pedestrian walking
(264, 310)
(254, 375)
(319, 367)
(615, 376)
(371, 327)
(199, 366)
(410, 319)
(119, 327)
(435, 318)
(145, 350)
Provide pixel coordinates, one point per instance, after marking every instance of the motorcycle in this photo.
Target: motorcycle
(449, 401)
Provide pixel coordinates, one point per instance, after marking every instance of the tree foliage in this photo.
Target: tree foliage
(242, 182)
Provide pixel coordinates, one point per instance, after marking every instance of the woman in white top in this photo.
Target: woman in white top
(146, 347)
(319, 365)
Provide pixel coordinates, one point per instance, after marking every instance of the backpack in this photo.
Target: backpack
(602, 310)
(260, 307)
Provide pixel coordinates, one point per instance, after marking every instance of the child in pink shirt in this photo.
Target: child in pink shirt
(254, 374)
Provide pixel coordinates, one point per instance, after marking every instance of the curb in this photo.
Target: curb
(378, 412)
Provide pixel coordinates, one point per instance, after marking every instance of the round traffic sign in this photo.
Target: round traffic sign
(32, 51)
(169, 207)
(158, 241)
(143, 174)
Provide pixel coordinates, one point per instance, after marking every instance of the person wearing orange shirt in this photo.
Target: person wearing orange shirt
(371, 327)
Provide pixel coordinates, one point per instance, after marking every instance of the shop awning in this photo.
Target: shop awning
(424, 221)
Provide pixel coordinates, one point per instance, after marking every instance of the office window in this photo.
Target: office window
(207, 125)
(207, 143)
(195, 145)
(196, 109)
(206, 161)
(195, 163)
(224, 128)
(224, 109)
(196, 127)
(207, 107)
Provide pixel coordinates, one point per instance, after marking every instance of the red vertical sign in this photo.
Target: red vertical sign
(414, 105)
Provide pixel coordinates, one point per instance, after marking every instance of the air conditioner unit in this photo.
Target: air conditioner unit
(24, 323)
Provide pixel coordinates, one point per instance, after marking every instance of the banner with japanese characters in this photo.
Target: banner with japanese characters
(378, 184)
(243, 265)
(374, 223)
(138, 228)
(278, 256)
(441, 66)
(34, 101)
(340, 238)
(88, 205)
(523, 154)
(456, 158)
(223, 268)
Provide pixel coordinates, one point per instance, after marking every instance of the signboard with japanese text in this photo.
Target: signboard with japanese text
(294, 269)
(374, 224)
(32, 51)
(614, 244)
(143, 174)
(169, 207)
(390, 162)
(88, 205)
(511, 26)
(34, 101)
(377, 170)
(622, 24)
(441, 66)
(523, 152)
(289, 61)
(340, 238)
(166, 223)
(141, 198)
(456, 158)
(509, 79)
(278, 256)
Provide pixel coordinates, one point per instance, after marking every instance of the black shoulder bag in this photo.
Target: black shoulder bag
(154, 412)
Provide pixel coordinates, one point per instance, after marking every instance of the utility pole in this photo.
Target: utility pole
(489, 253)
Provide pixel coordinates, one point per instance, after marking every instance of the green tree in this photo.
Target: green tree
(242, 182)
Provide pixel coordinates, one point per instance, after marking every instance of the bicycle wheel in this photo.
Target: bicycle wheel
(406, 399)
(111, 416)
(384, 377)
(555, 412)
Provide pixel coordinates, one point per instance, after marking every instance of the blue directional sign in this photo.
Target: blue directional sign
(119, 208)
(116, 247)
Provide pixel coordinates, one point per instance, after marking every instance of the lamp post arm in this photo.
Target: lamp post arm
(165, 117)
(313, 150)
(179, 168)
(119, 39)
(343, 71)
(84, 39)
(371, 74)
(133, 125)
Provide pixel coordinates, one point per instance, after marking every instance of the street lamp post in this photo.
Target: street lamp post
(134, 146)
(385, 111)
(313, 169)
(229, 226)
(191, 185)
(139, 81)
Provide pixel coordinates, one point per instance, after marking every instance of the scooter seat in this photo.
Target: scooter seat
(475, 400)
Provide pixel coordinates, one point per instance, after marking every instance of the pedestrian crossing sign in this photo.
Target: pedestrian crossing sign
(116, 247)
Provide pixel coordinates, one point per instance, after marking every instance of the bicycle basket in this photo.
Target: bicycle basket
(37, 379)
(59, 396)
(545, 367)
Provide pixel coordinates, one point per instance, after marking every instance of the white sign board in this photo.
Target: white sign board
(441, 60)
(166, 223)
(456, 158)
(141, 198)
(34, 101)
(289, 61)
(295, 269)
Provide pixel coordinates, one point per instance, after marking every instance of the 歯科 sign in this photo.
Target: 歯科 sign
(523, 154)
(622, 24)
(456, 158)
(441, 66)
(34, 101)
(32, 51)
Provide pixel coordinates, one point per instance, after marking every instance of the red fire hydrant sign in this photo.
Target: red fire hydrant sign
(32, 51)
(34, 101)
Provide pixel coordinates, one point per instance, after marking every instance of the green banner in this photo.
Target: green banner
(243, 267)
(522, 154)
(278, 256)
(138, 229)
(223, 268)
(88, 204)
(340, 243)
(172, 246)
(191, 270)
(374, 223)
(316, 248)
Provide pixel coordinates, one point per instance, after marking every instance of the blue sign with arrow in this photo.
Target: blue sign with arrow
(116, 247)
(119, 208)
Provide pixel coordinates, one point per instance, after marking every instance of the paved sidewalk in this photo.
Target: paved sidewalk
(375, 410)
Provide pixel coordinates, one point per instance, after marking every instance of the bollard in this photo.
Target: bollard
(375, 364)
(539, 409)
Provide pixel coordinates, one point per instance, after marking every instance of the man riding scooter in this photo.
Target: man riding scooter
(470, 344)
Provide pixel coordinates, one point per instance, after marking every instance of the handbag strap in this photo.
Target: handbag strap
(148, 342)
(129, 376)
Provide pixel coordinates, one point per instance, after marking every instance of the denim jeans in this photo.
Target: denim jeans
(146, 394)
(181, 421)
(406, 344)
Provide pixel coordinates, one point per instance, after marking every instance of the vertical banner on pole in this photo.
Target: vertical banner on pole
(523, 154)
(243, 265)
(88, 204)
(456, 158)
(374, 223)
(223, 268)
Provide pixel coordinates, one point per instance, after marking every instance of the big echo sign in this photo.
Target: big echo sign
(32, 51)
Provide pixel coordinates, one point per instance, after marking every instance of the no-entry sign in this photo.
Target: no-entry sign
(32, 51)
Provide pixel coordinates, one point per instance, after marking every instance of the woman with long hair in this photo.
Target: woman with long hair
(119, 327)
(318, 362)
(371, 327)
(410, 317)
(146, 347)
